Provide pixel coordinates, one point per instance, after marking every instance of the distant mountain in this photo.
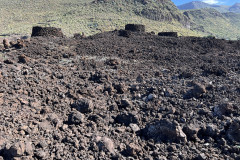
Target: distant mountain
(199, 5)
(235, 8)
(209, 21)
(194, 5)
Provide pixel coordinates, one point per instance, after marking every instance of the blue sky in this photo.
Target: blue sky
(221, 2)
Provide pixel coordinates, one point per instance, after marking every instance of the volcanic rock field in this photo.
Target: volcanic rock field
(120, 95)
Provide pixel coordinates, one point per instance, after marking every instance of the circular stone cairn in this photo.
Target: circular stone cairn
(46, 31)
(135, 27)
(168, 34)
(125, 33)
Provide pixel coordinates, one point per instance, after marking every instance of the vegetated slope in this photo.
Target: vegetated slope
(112, 97)
(233, 17)
(90, 16)
(200, 5)
(211, 22)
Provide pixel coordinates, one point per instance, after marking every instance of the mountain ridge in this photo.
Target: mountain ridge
(211, 22)
(199, 5)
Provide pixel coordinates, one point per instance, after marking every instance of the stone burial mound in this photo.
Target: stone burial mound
(168, 34)
(131, 28)
(46, 31)
(111, 97)
(135, 27)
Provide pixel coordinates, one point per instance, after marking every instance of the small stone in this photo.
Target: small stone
(165, 131)
(162, 158)
(42, 144)
(171, 148)
(64, 127)
(223, 109)
(134, 127)
(211, 130)
(196, 92)
(112, 62)
(105, 144)
(28, 148)
(124, 103)
(140, 79)
(8, 61)
(134, 87)
(23, 59)
(151, 97)
(6, 44)
(126, 119)
(133, 150)
(41, 154)
(120, 88)
(233, 132)
(16, 150)
(45, 126)
(191, 131)
(169, 93)
(54, 118)
(76, 118)
(201, 156)
(83, 105)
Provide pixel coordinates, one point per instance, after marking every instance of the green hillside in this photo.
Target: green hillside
(211, 22)
(90, 17)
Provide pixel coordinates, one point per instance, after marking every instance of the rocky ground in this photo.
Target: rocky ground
(120, 95)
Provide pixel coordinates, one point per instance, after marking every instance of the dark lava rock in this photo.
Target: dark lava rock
(105, 144)
(120, 88)
(191, 131)
(46, 31)
(214, 70)
(112, 62)
(201, 156)
(6, 44)
(83, 105)
(76, 118)
(211, 130)
(186, 74)
(165, 131)
(224, 109)
(233, 132)
(40, 154)
(20, 44)
(124, 103)
(168, 34)
(19, 149)
(99, 77)
(126, 119)
(133, 150)
(23, 59)
(135, 27)
(79, 36)
(197, 91)
(8, 61)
